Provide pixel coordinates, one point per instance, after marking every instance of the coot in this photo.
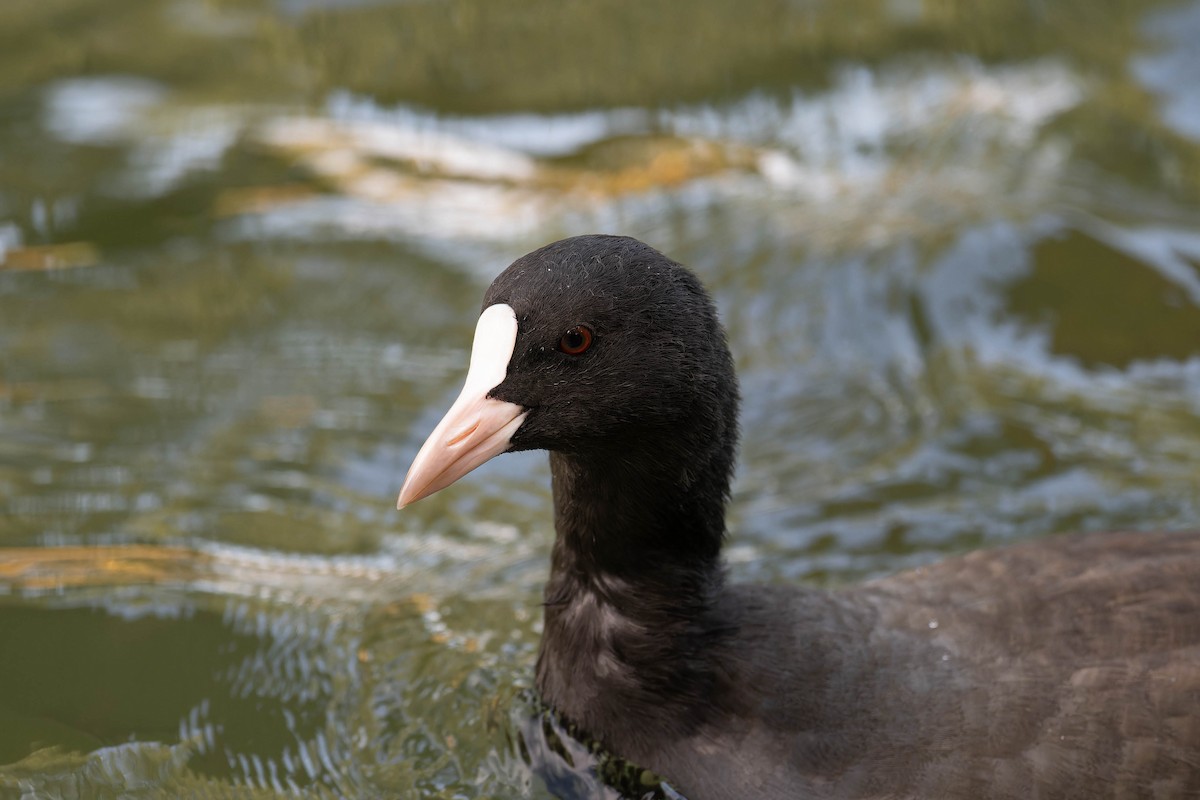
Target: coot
(1063, 668)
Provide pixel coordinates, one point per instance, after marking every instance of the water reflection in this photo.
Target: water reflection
(291, 672)
(953, 138)
(1176, 30)
(239, 266)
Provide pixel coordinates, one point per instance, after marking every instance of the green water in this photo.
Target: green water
(243, 245)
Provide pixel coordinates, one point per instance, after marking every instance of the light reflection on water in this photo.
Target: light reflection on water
(292, 672)
(962, 291)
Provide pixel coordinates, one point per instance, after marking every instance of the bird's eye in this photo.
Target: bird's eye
(576, 341)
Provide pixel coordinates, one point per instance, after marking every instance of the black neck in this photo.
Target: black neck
(631, 612)
(627, 515)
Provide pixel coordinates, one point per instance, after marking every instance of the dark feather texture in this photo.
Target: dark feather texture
(1063, 668)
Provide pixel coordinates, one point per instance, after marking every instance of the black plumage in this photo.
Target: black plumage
(1063, 668)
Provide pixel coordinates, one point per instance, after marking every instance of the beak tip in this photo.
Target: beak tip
(406, 497)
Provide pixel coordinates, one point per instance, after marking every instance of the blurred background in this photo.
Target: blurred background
(242, 250)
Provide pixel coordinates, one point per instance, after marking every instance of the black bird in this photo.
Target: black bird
(1062, 668)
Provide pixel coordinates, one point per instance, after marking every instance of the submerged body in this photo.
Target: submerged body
(1063, 668)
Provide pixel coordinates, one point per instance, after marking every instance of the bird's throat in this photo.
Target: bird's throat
(631, 601)
(613, 517)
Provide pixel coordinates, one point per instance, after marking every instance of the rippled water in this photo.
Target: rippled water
(242, 247)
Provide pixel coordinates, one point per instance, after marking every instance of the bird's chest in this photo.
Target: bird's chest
(584, 661)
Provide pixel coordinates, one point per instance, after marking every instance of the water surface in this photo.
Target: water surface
(242, 249)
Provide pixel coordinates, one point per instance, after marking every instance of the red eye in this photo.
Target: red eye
(576, 341)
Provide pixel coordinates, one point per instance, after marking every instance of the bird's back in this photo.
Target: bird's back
(1084, 653)
(1063, 668)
